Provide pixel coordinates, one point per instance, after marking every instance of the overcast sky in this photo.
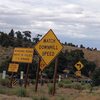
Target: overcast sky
(76, 21)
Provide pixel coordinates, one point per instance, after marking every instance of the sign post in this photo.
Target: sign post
(78, 66)
(26, 76)
(13, 68)
(11, 80)
(37, 76)
(48, 48)
(23, 55)
(55, 75)
(42, 67)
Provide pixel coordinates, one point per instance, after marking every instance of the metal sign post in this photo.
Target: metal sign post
(26, 76)
(13, 68)
(55, 75)
(23, 55)
(37, 76)
(11, 80)
(48, 48)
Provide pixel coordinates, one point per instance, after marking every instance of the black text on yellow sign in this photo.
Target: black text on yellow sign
(48, 47)
(13, 67)
(24, 55)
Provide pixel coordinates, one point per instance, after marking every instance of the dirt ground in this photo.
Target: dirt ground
(66, 93)
(70, 97)
(5, 97)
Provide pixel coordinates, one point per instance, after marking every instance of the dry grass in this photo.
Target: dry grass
(61, 94)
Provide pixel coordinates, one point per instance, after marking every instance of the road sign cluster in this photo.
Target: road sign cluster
(47, 48)
(78, 66)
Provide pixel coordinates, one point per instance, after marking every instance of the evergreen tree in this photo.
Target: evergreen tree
(11, 33)
(19, 35)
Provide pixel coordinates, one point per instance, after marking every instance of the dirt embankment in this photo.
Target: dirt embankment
(89, 55)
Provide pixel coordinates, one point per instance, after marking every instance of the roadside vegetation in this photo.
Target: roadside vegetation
(66, 68)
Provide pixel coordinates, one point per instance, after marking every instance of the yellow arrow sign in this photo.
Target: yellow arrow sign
(79, 65)
(49, 47)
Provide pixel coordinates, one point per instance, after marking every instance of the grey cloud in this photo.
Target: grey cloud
(65, 17)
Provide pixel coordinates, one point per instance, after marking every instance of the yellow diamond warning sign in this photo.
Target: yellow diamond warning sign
(48, 47)
(79, 65)
(42, 64)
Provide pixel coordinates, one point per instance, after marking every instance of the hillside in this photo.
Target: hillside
(5, 53)
(89, 55)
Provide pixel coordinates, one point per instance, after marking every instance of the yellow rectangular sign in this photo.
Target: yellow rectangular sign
(23, 55)
(13, 67)
(78, 73)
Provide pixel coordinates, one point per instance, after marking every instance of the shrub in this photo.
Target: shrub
(62, 98)
(60, 84)
(96, 77)
(43, 98)
(35, 98)
(67, 86)
(21, 92)
(77, 86)
(86, 86)
(33, 81)
(66, 81)
(73, 85)
(4, 82)
(50, 88)
(2, 90)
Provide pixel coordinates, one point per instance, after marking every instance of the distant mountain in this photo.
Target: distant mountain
(5, 53)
